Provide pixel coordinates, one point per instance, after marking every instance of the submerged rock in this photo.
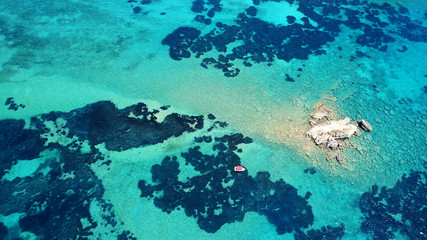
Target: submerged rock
(340, 158)
(320, 115)
(364, 125)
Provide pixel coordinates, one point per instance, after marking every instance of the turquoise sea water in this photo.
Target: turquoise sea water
(124, 119)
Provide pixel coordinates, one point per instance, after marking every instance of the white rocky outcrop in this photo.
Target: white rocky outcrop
(365, 125)
(330, 133)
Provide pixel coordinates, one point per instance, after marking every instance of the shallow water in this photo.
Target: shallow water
(222, 83)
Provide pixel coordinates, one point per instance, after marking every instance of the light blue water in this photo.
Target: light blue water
(77, 172)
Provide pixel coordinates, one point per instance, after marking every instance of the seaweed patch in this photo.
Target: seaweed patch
(12, 105)
(217, 195)
(18, 143)
(327, 233)
(62, 189)
(401, 208)
(56, 197)
(254, 40)
(206, 10)
(137, 6)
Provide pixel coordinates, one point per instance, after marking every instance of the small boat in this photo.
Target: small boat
(239, 169)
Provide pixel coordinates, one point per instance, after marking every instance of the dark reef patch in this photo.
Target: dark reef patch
(251, 11)
(12, 104)
(377, 26)
(324, 233)
(17, 143)
(289, 78)
(58, 202)
(211, 116)
(126, 235)
(53, 206)
(217, 195)
(3, 231)
(137, 6)
(103, 122)
(180, 40)
(137, 10)
(360, 54)
(401, 208)
(56, 197)
(146, 2)
(206, 10)
(311, 170)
